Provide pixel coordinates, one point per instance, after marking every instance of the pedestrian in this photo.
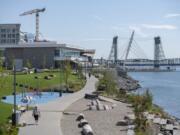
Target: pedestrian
(36, 114)
(89, 74)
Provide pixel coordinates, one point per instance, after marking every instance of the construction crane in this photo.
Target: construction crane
(35, 11)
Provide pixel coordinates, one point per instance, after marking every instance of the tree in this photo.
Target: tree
(79, 68)
(11, 61)
(142, 103)
(67, 72)
(44, 61)
(1, 73)
(1, 64)
(109, 83)
(28, 64)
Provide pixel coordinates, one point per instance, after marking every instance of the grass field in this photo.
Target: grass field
(6, 87)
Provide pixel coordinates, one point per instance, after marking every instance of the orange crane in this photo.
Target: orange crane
(35, 11)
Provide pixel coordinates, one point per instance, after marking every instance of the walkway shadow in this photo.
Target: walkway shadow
(31, 124)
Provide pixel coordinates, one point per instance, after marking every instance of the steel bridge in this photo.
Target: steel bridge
(159, 61)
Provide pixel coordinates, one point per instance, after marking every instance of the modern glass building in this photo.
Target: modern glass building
(9, 33)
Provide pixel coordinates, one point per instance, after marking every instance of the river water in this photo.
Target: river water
(165, 87)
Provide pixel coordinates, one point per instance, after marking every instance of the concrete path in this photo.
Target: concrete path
(51, 113)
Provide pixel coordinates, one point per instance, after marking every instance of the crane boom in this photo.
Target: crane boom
(35, 11)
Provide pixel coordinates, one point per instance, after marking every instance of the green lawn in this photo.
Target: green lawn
(28, 79)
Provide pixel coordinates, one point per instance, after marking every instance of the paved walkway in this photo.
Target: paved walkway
(51, 113)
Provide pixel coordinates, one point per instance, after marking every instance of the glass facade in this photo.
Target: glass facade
(56, 53)
(63, 53)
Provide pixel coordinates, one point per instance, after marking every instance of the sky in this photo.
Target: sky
(91, 24)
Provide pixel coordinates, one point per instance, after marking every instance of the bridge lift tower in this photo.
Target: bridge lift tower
(114, 50)
(158, 52)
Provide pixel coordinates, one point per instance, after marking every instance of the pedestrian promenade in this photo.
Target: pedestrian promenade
(51, 113)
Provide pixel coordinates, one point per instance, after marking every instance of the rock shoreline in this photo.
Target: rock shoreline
(124, 81)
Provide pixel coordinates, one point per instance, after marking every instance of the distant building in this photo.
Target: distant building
(9, 33)
(19, 50)
(44, 54)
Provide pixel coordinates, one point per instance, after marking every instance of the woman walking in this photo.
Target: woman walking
(36, 114)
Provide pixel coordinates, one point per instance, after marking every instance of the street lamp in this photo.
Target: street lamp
(60, 79)
(14, 93)
(86, 66)
(37, 84)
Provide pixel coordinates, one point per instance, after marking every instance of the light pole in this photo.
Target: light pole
(37, 85)
(85, 67)
(14, 93)
(60, 78)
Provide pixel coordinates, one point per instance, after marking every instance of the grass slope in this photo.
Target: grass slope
(6, 87)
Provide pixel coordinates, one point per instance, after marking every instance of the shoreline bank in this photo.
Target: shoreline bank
(172, 117)
(124, 81)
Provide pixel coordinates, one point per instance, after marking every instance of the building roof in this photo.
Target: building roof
(49, 44)
(31, 45)
(8, 24)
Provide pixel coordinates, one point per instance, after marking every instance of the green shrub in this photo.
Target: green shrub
(141, 104)
(107, 84)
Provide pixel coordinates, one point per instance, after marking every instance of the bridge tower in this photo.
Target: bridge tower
(128, 49)
(114, 50)
(158, 52)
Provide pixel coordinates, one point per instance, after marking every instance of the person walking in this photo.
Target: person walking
(36, 114)
(89, 74)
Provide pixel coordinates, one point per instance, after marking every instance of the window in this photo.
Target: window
(8, 41)
(3, 35)
(3, 41)
(9, 35)
(17, 41)
(8, 30)
(17, 35)
(13, 41)
(3, 30)
(13, 35)
(13, 30)
(56, 53)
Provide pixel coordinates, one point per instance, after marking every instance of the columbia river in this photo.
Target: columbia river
(165, 87)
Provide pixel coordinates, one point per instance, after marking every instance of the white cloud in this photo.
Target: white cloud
(163, 26)
(96, 17)
(172, 15)
(138, 30)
